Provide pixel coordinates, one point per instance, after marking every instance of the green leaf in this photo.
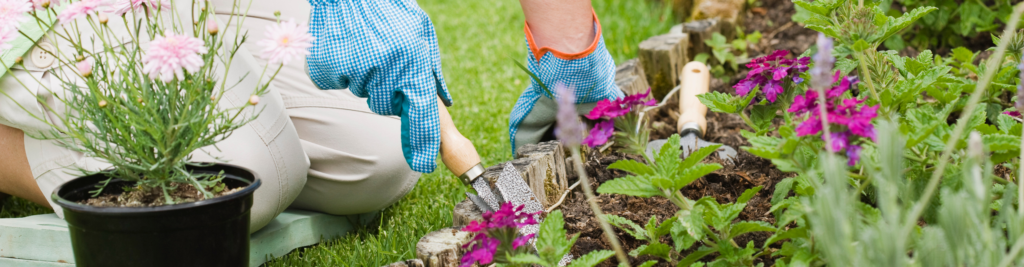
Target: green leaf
(664, 228)
(632, 166)
(748, 194)
(654, 249)
(528, 258)
(692, 174)
(592, 259)
(792, 233)
(702, 58)
(639, 186)
(897, 24)
(696, 255)
(750, 226)
(764, 152)
(687, 230)
(782, 189)
(551, 241)
(648, 264)
(861, 45)
(963, 54)
(633, 229)
(718, 102)
(755, 37)
(698, 156)
(813, 7)
(1001, 142)
(762, 116)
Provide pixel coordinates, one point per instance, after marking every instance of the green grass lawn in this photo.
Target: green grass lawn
(477, 40)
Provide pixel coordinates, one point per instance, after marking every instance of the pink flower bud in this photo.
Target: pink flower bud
(253, 100)
(103, 18)
(211, 26)
(84, 67)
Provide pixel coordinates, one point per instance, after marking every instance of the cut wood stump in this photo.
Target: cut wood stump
(442, 248)
(699, 31)
(465, 212)
(662, 57)
(630, 77)
(406, 263)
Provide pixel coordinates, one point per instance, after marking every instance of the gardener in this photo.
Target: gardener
(314, 147)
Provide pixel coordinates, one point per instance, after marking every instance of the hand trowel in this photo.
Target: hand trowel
(695, 80)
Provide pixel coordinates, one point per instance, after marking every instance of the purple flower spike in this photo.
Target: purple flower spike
(569, 129)
(823, 62)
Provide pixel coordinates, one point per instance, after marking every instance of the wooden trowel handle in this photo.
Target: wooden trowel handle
(695, 79)
(457, 152)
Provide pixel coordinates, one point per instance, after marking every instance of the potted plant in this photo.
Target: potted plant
(144, 95)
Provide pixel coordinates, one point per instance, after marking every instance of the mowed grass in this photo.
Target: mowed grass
(479, 40)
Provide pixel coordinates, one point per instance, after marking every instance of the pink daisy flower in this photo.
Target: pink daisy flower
(120, 7)
(168, 55)
(12, 12)
(6, 36)
(286, 41)
(81, 9)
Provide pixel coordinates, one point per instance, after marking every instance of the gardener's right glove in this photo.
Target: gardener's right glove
(590, 72)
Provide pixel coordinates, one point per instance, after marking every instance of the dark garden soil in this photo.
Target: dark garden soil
(152, 197)
(725, 185)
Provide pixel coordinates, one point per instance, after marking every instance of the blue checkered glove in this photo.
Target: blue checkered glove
(387, 52)
(590, 72)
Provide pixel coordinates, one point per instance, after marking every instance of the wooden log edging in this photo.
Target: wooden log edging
(406, 263)
(442, 248)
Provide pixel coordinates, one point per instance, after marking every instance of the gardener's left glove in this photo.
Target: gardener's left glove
(590, 72)
(385, 51)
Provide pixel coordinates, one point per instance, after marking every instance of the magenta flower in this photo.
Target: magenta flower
(497, 235)
(12, 12)
(569, 128)
(848, 118)
(608, 110)
(81, 9)
(1012, 113)
(285, 41)
(770, 72)
(600, 134)
(168, 55)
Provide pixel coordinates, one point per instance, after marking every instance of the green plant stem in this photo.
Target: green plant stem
(747, 120)
(1017, 246)
(972, 103)
(867, 76)
(1020, 177)
(592, 200)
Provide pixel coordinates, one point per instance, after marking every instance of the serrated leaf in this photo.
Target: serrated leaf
(718, 102)
(1001, 142)
(698, 156)
(627, 226)
(782, 189)
(527, 258)
(654, 249)
(963, 54)
(696, 255)
(639, 186)
(845, 65)
(592, 259)
(799, 232)
(664, 228)
(812, 7)
(750, 226)
(860, 45)
(689, 175)
(762, 116)
(748, 194)
(551, 240)
(632, 166)
(897, 24)
(764, 152)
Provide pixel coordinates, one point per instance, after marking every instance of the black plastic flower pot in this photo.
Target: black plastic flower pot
(211, 232)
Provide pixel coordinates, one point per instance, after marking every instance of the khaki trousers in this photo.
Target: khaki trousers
(316, 150)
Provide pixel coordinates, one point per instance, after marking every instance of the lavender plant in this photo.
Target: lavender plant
(146, 105)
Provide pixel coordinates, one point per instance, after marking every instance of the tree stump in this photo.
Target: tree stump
(406, 263)
(630, 77)
(728, 12)
(465, 212)
(699, 31)
(662, 57)
(442, 248)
